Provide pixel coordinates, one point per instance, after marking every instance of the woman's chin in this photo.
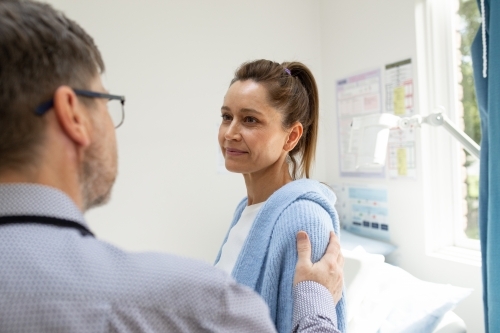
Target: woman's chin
(235, 168)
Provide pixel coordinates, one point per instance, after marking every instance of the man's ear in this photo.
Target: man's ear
(294, 135)
(71, 115)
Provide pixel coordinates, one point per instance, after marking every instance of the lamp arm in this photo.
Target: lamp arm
(440, 119)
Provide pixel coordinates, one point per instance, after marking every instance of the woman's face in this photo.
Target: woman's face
(251, 135)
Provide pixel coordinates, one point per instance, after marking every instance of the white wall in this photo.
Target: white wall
(174, 60)
(359, 35)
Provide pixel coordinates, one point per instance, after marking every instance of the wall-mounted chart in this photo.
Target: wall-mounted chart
(357, 95)
(363, 210)
(399, 100)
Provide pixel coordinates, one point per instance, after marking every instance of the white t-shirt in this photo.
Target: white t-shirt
(236, 238)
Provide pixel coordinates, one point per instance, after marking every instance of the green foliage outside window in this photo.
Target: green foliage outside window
(470, 20)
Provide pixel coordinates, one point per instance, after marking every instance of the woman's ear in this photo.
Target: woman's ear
(294, 135)
(72, 116)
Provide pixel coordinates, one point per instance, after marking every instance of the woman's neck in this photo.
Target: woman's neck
(261, 185)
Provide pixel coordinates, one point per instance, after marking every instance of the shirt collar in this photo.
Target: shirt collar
(40, 200)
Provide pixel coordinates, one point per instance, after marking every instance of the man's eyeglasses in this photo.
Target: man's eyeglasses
(116, 105)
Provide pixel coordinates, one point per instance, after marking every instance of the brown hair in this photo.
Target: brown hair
(292, 90)
(40, 50)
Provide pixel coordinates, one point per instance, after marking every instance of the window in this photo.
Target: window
(445, 30)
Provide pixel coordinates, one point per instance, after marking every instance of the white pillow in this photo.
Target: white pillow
(384, 298)
(418, 305)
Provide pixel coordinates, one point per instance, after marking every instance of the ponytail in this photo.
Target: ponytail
(306, 147)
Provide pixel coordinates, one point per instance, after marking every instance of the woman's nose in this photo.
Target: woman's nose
(232, 132)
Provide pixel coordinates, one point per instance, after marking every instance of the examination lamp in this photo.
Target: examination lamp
(369, 135)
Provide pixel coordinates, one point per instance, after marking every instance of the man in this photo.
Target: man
(58, 158)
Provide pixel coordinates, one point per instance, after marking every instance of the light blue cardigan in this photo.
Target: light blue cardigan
(267, 260)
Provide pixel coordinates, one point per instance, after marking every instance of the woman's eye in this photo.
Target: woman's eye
(226, 117)
(250, 120)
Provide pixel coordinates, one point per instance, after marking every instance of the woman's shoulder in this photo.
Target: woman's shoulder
(304, 189)
(304, 204)
(303, 215)
(304, 209)
(308, 185)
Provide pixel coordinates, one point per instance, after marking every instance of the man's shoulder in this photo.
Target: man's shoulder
(155, 277)
(61, 264)
(74, 278)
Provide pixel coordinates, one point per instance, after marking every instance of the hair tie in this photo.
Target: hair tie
(288, 71)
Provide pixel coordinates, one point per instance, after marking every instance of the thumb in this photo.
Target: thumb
(303, 248)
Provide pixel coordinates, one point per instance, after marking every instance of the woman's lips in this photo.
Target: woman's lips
(234, 152)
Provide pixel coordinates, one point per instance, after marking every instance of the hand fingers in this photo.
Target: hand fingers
(303, 248)
(332, 252)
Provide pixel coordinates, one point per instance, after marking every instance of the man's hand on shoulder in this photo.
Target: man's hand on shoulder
(327, 272)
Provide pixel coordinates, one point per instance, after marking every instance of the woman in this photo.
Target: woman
(268, 133)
